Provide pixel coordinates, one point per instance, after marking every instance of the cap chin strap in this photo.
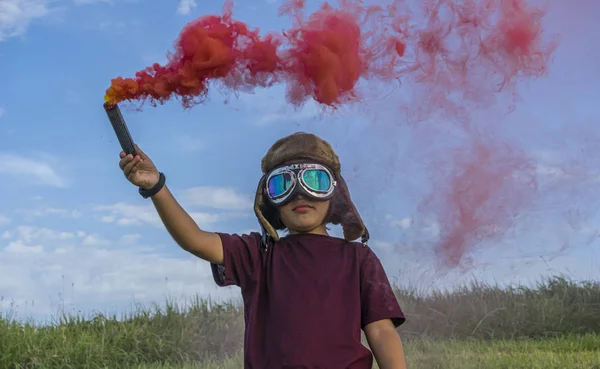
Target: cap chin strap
(265, 238)
(365, 237)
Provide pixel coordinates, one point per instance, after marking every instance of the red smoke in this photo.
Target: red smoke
(481, 185)
(457, 53)
(211, 48)
(324, 56)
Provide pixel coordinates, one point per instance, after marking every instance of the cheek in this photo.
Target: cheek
(285, 211)
(322, 208)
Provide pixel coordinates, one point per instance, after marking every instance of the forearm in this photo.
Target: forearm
(388, 349)
(182, 227)
(178, 222)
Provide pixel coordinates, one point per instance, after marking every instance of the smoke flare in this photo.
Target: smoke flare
(456, 54)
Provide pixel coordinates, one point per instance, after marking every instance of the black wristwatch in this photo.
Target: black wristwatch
(154, 190)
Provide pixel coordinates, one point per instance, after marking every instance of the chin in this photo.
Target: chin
(307, 227)
(302, 227)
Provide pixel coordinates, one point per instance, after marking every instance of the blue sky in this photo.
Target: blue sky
(75, 234)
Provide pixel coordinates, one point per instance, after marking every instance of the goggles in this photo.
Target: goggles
(313, 180)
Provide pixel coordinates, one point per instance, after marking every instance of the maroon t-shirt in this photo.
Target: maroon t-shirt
(306, 299)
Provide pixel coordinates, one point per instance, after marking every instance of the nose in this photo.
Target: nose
(301, 197)
(298, 197)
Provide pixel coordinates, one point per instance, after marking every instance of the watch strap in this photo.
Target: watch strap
(154, 190)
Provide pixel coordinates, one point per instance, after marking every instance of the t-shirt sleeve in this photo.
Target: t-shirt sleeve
(241, 259)
(378, 300)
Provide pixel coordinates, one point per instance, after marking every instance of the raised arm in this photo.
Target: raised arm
(185, 231)
(142, 172)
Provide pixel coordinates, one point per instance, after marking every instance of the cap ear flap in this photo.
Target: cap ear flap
(345, 213)
(271, 214)
(263, 211)
(337, 208)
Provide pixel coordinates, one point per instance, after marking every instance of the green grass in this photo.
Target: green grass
(554, 325)
(561, 353)
(565, 352)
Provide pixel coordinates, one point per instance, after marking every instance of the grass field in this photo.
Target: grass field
(554, 325)
(562, 353)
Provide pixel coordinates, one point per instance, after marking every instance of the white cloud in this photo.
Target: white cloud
(127, 214)
(267, 107)
(107, 219)
(205, 220)
(94, 240)
(95, 273)
(16, 16)
(30, 234)
(130, 239)
(216, 197)
(43, 172)
(403, 223)
(186, 6)
(124, 214)
(4, 220)
(18, 248)
(86, 2)
(42, 272)
(65, 213)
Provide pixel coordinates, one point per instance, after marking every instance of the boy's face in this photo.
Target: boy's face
(302, 215)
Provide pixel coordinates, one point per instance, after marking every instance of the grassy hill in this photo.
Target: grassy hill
(554, 325)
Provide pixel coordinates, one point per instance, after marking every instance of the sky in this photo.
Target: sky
(75, 236)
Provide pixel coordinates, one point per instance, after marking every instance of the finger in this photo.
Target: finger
(122, 154)
(133, 170)
(130, 165)
(128, 168)
(126, 160)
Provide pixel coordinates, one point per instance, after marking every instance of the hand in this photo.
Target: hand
(139, 170)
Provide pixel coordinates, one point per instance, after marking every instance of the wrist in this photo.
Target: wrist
(152, 184)
(149, 192)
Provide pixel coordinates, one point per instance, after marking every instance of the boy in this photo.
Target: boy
(306, 295)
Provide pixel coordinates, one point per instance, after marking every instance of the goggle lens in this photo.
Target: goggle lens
(279, 184)
(317, 179)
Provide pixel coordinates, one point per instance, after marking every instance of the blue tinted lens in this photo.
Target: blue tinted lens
(317, 179)
(279, 184)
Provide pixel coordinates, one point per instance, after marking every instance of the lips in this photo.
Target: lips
(301, 207)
